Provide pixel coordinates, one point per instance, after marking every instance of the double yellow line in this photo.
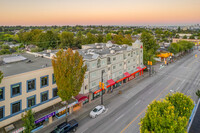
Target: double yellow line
(146, 107)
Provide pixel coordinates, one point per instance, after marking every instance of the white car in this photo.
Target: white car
(97, 111)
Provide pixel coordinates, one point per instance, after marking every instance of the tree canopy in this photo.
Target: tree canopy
(149, 47)
(28, 119)
(69, 71)
(168, 115)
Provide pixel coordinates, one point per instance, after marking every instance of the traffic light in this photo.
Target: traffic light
(101, 85)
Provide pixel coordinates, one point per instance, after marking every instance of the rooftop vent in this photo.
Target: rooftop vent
(29, 61)
(98, 46)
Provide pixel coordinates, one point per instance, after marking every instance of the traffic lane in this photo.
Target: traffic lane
(134, 124)
(116, 118)
(114, 103)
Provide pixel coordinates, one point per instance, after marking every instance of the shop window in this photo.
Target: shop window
(15, 89)
(2, 96)
(55, 92)
(31, 85)
(31, 101)
(53, 79)
(16, 107)
(44, 81)
(44, 96)
(1, 112)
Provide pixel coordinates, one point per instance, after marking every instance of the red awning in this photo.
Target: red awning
(81, 97)
(139, 68)
(144, 67)
(111, 82)
(127, 74)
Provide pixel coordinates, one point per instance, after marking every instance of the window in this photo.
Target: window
(31, 101)
(128, 54)
(85, 76)
(93, 84)
(2, 96)
(44, 96)
(86, 87)
(124, 56)
(93, 65)
(53, 79)
(55, 92)
(128, 62)
(1, 112)
(31, 85)
(16, 107)
(114, 67)
(44, 81)
(93, 74)
(15, 89)
(120, 64)
(114, 58)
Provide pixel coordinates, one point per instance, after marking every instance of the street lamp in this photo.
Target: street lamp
(102, 86)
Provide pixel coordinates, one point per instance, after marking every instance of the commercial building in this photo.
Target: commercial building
(29, 80)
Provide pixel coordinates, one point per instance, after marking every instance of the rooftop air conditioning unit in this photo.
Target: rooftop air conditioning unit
(112, 51)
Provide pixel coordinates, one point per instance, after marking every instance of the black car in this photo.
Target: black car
(66, 127)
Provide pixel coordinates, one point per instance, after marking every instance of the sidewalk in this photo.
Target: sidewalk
(84, 111)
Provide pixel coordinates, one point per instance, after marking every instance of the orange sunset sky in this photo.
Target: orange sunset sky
(99, 12)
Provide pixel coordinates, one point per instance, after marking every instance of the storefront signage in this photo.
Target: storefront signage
(19, 130)
(98, 91)
(60, 110)
(72, 104)
(131, 77)
(45, 117)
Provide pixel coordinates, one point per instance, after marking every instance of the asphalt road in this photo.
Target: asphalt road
(125, 111)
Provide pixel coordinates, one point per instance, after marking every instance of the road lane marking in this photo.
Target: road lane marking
(119, 117)
(147, 106)
(137, 102)
(150, 91)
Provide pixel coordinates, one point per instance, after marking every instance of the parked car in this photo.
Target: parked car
(97, 111)
(66, 127)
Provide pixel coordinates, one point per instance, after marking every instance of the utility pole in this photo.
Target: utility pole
(102, 87)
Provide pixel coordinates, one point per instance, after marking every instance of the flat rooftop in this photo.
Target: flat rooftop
(31, 63)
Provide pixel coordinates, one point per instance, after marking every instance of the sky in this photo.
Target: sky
(99, 12)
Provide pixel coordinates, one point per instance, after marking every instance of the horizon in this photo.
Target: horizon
(99, 12)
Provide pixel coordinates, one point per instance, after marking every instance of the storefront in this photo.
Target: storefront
(62, 111)
(39, 122)
(81, 99)
(111, 85)
(98, 93)
(127, 75)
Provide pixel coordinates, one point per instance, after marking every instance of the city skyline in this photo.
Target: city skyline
(99, 12)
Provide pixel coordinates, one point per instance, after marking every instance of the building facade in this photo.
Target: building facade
(29, 80)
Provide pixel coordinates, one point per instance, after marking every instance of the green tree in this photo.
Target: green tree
(90, 38)
(198, 93)
(183, 104)
(79, 40)
(67, 39)
(168, 115)
(28, 119)
(150, 46)
(69, 71)
(108, 37)
(185, 37)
